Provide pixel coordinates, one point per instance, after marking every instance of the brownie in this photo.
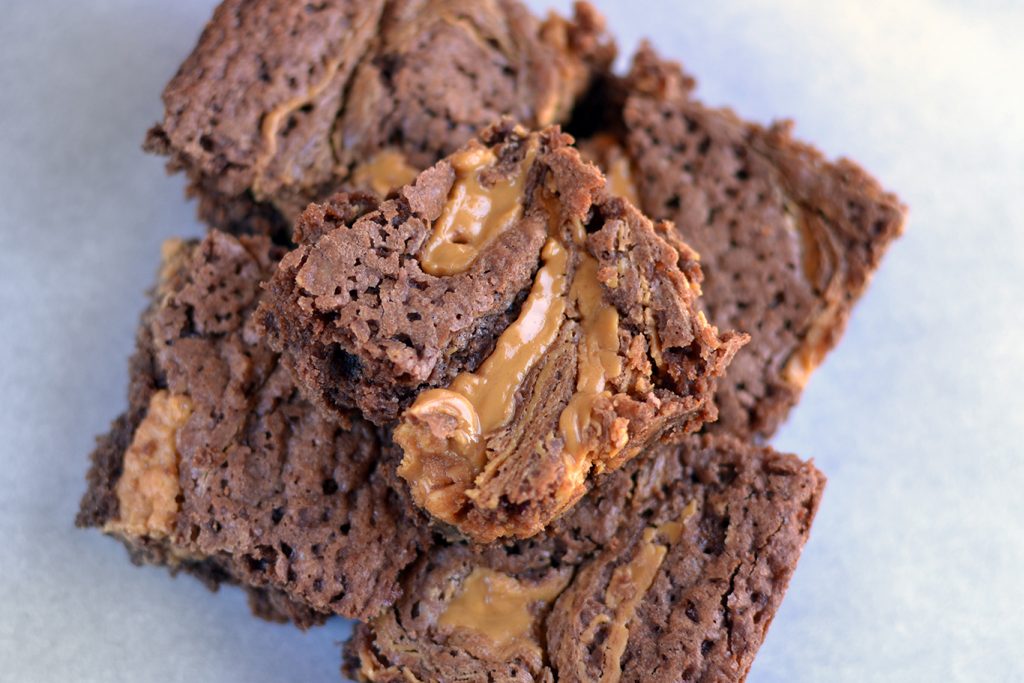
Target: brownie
(220, 468)
(527, 329)
(671, 569)
(787, 240)
(281, 103)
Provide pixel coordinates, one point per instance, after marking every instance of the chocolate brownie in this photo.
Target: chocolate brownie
(787, 240)
(280, 103)
(219, 467)
(671, 569)
(100, 505)
(535, 330)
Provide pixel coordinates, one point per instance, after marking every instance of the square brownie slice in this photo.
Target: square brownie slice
(787, 240)
(220, 468)
(671, 569)
(280, 103)
(528, 330)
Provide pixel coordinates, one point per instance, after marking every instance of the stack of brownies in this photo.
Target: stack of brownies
(483, 343)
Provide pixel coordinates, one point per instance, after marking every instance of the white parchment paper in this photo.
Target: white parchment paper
(913, 570)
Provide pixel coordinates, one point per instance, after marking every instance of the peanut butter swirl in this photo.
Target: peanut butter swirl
(501, 613)
(274, 119)
(483, 402)
(819, 256)
(476, 213)
(384, 172)
(627, 587)
(148, 489)
(598, 352)
(605, 150)
(443, 473)
(620, 179)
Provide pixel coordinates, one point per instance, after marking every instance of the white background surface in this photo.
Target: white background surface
(913, 572)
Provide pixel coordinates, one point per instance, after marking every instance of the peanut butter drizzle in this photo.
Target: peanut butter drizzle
(598, 353)
(385, 171)
(475, 215)
(497, 606)
(272, 119)
(819, 263)
(627, 587)
(483, 402)
(147, 491)
(620, 179)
